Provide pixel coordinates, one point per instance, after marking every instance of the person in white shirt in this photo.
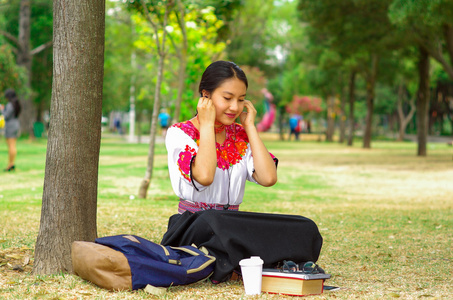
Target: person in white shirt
(210, 156)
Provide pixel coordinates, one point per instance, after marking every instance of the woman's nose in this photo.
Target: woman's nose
(234, 105)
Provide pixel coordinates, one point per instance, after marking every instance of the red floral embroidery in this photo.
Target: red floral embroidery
(189, 129)
(228, 154)
(185, 157)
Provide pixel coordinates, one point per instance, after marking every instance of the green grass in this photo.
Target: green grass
(384, 213)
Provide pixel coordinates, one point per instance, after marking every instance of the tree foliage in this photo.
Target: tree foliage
(11, 75)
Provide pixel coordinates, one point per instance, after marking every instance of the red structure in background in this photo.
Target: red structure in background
(269, 117)
(304, 104)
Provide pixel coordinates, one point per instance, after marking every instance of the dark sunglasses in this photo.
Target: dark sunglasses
(308, 268)
(289, 266)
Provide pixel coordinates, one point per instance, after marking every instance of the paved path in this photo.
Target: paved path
(431, 138)
(144, 139)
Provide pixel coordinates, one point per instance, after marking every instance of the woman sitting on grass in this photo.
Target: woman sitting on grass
(210, 157)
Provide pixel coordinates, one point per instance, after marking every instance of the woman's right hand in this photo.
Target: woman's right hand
(206, 112)
(205, 163)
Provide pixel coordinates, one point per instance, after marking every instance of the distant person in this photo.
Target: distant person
(164, 121)
(117, 124)
(295, 126)
(11, 113)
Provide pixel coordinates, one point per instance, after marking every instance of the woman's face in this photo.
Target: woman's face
(228, 100)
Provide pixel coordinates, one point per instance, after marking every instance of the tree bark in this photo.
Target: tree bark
(422, 102)
(448, 35)
(280, 122)
(330, 118)
(342, 116)
(437, 54)
(351, 108)
(143, 190)
(27, 116)
(71, 175)
(370, 84)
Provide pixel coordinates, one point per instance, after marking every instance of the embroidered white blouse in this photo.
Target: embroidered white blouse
(234, 165)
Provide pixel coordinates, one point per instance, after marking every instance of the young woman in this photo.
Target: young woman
(11, 112)
(210, 157)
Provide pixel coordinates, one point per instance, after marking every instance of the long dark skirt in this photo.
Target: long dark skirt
(233, 235)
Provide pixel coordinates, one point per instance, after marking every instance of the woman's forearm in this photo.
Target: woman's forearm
(204, 165)
(265, 168)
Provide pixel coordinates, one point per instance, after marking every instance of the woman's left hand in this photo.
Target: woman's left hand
(248, 117)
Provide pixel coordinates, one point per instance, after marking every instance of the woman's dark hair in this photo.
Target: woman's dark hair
(219, 71)
(10, 94)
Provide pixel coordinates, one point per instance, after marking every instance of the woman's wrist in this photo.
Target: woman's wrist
(249, 129)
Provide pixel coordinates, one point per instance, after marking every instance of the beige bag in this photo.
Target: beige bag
(101, 265)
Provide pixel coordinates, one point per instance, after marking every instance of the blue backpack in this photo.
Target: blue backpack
(149, 263)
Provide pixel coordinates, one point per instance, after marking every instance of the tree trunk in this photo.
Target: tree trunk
(71, 175)
(422, 102)
(370, 84)
(143, 190)
(280, 123)
(181, 85)
(351, 108)
(342, 116)
(330, 118)
(403, 120)
(27, 116)
(448, 35)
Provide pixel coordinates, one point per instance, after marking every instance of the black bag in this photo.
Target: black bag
(230, 236)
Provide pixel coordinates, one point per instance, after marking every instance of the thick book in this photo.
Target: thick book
(292, 283)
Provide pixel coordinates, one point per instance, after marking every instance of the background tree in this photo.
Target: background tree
(69, 202)
(119, 39)
(24, 52)
(249, 40)
(430, 25)
(158, 21)
(359, 29)
(180, 13)
(287, 44)
(204, 47)
(423, 95)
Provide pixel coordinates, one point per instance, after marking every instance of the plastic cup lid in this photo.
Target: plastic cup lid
(252, 261)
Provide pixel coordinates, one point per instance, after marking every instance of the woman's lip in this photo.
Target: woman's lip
(232, 116)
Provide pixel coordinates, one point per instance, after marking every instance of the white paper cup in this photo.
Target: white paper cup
(252, 271)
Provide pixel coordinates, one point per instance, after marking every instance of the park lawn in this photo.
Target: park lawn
(384, 213)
